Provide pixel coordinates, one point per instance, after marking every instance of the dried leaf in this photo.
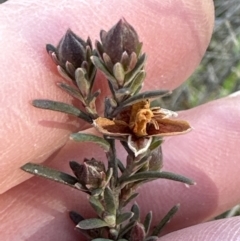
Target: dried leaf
(145, 95)
(61, 107)
(81, 137)
(141, 96)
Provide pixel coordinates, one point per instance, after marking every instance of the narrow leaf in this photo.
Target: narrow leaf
(80, 137)
(72, 91)
(123, 217)
(49, 173)
(61, 107)
(109, 200)
(126, 228)
(120, 166)
(139, 65)
(151, 175)
(119, 73)
(97, 205)
(91, 223)
(134, 195)
(99, 64)
(135, 209)
(82, 82)
(147, 222)
(75, 217)
(155, 144)
(137, 81)
(165, 220)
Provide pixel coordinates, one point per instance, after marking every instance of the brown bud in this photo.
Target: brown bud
(120, 38)
(91, 173)
(71, 53)
(71, 48)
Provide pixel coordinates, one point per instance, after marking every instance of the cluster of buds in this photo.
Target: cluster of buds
(128, 117)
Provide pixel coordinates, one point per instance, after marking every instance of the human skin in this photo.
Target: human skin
(175, 36)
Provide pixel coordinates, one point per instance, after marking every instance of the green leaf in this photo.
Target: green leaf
(72, 91)
(131, 75)
(54, 175)
(165, 220)
(82, 82)
(81, 137)
(147, 222)
(109, 201)
(123, 217)
(119, 73)
(137, 81)
(100, 65)
(97, 205)
(155, 144)
(134, 195)
(91, 223)
(120, 166)
(61, 107)
(126, 228)
(151, 175)
(135, 209)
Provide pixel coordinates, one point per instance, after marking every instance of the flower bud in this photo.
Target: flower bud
(91, 173)
(120, 38)
(137, 233)
(71, 53)
(71, 48)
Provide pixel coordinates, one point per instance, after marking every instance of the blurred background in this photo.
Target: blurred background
(218, 75)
